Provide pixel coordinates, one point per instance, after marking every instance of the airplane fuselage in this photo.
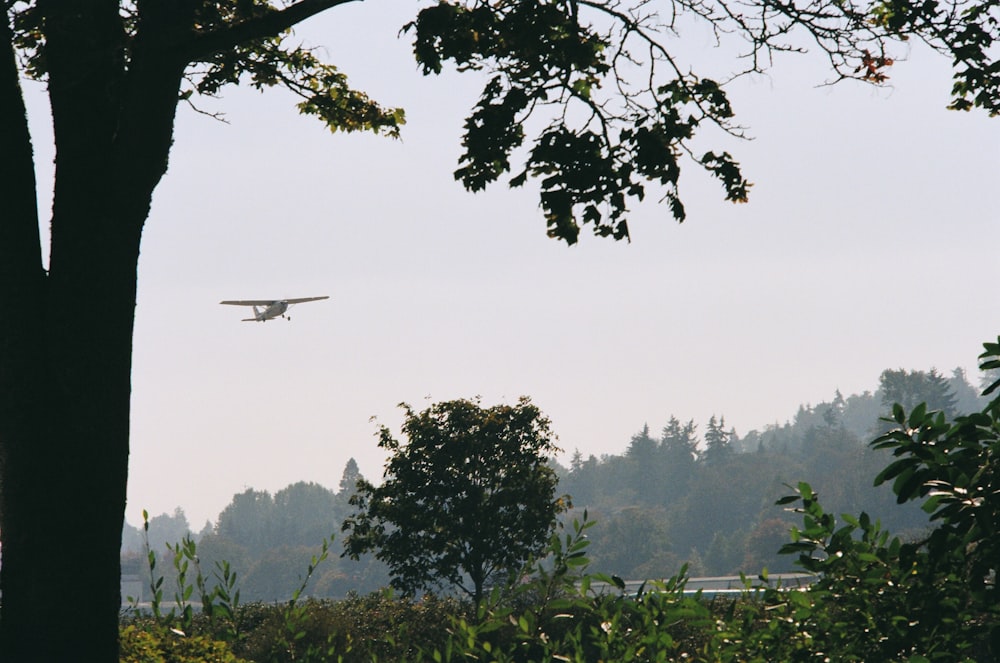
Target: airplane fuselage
(277, 309)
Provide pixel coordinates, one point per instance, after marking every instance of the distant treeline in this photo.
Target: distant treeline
(683, 494)
(709, 500)
(268, 541)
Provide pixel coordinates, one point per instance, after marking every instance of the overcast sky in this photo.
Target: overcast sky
(869, 242)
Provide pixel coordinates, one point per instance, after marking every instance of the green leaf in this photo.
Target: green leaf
(931, 504)
(894, 469)
(918, 415)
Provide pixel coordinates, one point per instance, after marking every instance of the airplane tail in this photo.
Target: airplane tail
(258, 315)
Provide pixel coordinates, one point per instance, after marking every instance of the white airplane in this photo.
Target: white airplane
(267, 309)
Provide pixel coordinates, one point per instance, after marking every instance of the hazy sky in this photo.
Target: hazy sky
(869, 242)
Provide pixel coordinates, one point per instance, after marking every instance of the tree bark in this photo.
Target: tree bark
(22, 289)
(66, 335)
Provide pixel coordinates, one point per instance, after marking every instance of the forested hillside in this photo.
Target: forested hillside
(683, 493)
(706, 496)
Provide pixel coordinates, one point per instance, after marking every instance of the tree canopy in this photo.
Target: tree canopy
(465, 501)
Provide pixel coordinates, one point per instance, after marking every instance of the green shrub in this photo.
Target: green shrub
(358, 628)
(155, 644)
(561, 613)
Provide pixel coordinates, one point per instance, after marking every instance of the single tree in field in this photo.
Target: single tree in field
(466, 500)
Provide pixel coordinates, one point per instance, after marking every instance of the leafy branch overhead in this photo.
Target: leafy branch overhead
(606, 140)
(622, 107)
(617, 105)
(229, 42)
(965, 30)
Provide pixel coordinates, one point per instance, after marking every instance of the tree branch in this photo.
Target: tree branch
(267, 25)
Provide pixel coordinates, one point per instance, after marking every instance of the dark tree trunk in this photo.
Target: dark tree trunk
(22, 381)
(66, 335)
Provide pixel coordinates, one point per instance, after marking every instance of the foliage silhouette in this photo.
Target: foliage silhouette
(465, 501)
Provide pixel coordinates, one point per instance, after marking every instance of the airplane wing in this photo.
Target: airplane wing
(305, 299)
(268, 302)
